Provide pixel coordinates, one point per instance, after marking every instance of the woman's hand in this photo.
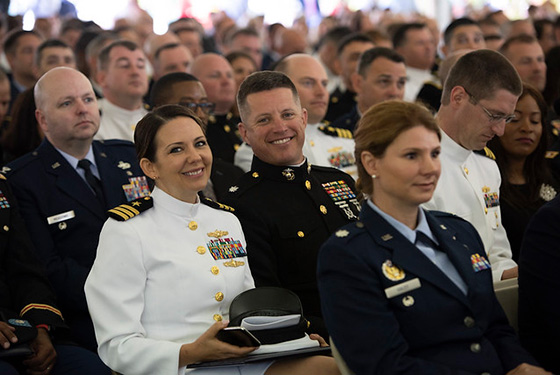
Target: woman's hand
(208, 348)
(321, 340)
(528, 369)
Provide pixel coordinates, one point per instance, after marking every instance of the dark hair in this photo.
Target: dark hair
(521, 38)
(232, 34)
(161, 89)
(448, 33)
(49, 44)
(372, 54)
(399, 37)
(148, 127)
(105, 52)
(349, 39)
(22, 134)
(334, 35)
(535, 169)
(95, 45)
(233, 56)
(539, 26)
(380, 126)
(165, 47)
(259, 82)
(80, 50)
(11, 40)
(551, 91)
(482, 73)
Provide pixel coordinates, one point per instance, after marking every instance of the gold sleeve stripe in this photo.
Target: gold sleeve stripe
(125, 217)
(128, 209)
(40, 307)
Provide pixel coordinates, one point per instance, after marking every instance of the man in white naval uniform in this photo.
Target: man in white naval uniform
(124, 80)
(324, 145)
(479, 98)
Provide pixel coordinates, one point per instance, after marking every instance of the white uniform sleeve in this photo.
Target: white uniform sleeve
(115, 295)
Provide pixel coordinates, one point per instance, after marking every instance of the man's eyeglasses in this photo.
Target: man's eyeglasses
(204, 106)
(492, 117)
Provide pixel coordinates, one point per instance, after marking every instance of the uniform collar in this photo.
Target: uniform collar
(280, 173)
(409, 234)
(453, 150)
(174, 205)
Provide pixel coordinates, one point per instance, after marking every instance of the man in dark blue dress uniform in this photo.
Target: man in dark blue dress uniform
(66, 186)
(287, 206)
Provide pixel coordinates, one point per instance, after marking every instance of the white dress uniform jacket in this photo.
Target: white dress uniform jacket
(320, 149)
(155, 284)
(117, 122)
(469, 187)
(416, 79)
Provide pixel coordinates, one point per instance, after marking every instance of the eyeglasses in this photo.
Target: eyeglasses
(205, 107)
(492, 117)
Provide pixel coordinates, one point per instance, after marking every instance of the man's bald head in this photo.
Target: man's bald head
(67, 110)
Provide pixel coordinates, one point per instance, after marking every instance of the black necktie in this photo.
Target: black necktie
(93, 181)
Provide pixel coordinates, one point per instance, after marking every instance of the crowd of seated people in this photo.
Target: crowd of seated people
(263, 119)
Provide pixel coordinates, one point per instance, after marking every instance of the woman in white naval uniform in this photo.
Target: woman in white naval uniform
(164, 276)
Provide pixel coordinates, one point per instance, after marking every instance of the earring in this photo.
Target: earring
(374, 176)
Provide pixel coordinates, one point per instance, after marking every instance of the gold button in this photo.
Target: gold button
(6, 228)
(227, 128)
(219, 296)
(300, 234)
(323, 209)
(193, 225)
(62, 225)
(236, 147)
(359, 224)
(255, 175)
(408, 301)
(308, 185)
(201, 250)
(496, 214)
(215, 270)
(485, 210)
(312, 144)
(467, 170)
(217, 317)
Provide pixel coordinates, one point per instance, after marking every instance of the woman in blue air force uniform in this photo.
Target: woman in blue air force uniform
(407, 291)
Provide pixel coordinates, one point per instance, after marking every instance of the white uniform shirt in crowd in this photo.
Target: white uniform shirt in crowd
(117, 122)
(155, 284)
(469, 187)
(320, 149)
(416, 79)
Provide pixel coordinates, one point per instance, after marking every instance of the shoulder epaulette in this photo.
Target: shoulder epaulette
(129, 210)
(336, 132)
(551, 154)
(219, 206)
(115, 142)
(435, 84)
(489, 154)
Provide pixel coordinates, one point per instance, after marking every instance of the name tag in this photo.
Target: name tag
(61, 217)
(401, 288)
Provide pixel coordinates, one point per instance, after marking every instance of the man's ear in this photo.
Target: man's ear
(458, 95)
(100, 76)
(357, 80)
(243, 131)
(40, 117)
